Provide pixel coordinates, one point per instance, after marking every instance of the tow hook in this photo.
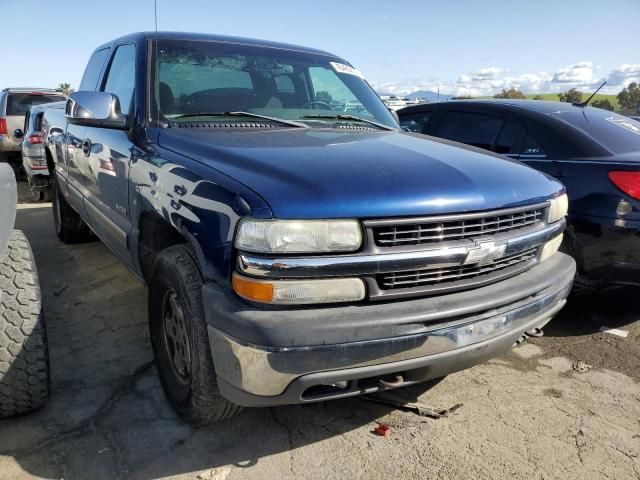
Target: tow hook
(399, 380)
(535, 332)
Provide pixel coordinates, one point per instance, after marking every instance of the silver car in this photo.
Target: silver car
(34, 159)
(14, 104)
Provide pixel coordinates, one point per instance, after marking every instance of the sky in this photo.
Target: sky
(461, 47)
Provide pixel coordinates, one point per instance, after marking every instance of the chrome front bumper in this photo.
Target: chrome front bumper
(254, 375)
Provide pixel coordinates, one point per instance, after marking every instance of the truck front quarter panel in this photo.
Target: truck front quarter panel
(201, 204)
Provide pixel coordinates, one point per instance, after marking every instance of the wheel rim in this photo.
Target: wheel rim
(176, 336)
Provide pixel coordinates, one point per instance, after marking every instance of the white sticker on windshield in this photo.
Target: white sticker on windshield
(625, 123)
(342, 68)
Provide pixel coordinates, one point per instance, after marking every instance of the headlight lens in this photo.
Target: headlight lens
(558, 209)
(299, 292)
(298, 236)
(551, 247)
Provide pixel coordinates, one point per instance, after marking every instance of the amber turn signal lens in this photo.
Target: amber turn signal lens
(299, 292)
(257, 291)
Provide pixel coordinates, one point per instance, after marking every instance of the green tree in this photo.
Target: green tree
(629, 98)
(66, 88)
(571, 96)
(462, 97)
(511, 93)
(538, 97)
(604, 104)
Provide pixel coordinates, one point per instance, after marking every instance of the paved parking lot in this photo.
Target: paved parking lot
(534, 413)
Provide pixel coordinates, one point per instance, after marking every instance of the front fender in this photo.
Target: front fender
(201, 204)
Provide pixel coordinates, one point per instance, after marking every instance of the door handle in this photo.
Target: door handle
(86, 147)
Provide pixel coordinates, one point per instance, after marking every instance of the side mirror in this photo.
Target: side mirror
(95, 109)
(18, 133)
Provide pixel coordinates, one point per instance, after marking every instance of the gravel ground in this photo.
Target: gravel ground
(528, 414)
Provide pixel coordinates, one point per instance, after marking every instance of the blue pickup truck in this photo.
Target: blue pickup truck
(296, 244)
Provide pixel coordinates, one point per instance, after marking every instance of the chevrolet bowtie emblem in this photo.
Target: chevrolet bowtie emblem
(485, 252)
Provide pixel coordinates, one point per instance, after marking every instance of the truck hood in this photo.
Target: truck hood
(334, 173)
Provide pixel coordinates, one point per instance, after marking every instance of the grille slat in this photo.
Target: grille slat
(426, 277)
(442, 231)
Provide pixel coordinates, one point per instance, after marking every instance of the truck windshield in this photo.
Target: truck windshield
(196, 78)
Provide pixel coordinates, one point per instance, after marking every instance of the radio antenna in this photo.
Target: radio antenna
(155, 14)
(584, 104)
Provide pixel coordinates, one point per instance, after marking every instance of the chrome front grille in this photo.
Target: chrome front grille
(435, 276)
(436, 230)
(404, 258)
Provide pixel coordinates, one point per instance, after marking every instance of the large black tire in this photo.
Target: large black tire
(70, 228)
(24, 357)
(177, 324)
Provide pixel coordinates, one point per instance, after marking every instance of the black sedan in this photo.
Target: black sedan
(594, 152)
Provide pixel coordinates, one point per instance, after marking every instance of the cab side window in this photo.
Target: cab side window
(94, 69)
(415, 123)
(510, 139)
(471, 128)
(122, 76)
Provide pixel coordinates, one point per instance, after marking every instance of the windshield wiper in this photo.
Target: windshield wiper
(344, 116)
(291, 123)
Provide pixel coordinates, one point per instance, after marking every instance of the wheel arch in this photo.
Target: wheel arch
(155, 234)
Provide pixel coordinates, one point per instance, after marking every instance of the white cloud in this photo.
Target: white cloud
(579, 73)
(487, 73)
(490, 80)
(624, 75)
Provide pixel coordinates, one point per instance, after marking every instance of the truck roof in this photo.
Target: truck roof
(138, 36)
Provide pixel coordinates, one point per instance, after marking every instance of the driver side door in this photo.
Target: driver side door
(108, 153)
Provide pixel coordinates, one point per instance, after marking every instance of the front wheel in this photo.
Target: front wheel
(180, 340)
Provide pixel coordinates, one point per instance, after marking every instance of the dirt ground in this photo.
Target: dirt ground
(526, 415)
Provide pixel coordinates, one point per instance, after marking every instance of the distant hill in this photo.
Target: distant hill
(428, 95)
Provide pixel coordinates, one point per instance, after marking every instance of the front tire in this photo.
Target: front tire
(180, 340)
(70, 228)
(24, 357)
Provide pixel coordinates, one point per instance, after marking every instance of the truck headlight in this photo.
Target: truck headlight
(298, 236)
(558, 208)
(551, 247)
(299, 292)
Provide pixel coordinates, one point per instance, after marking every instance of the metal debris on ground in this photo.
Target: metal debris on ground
(219, 473)
(581, 366)
(389, 398)
(614, 331)
(382, 430)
